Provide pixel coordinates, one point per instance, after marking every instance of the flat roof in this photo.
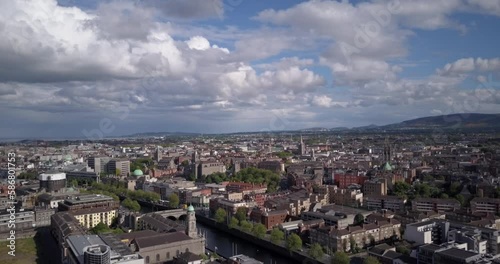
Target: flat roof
(87, 198)
(78, 243)
(458, 253)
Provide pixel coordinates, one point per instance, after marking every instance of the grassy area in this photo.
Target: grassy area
(25, 252)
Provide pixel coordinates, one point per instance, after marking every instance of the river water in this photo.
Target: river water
(228, 246)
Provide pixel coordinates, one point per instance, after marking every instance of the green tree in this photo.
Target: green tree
(401, 189)
(293, 242)
(352, 243)
(340, 258)
(372, 240)
(316, 251)
(277, 235)
(131, 205)
(246, 226)
(371, 260)
(173, 200)
(241, 213)
(100, 228)
(461, 199)
(233, 223)
(359, 219)
(185, 163)
(403, 250)
(444, 196)
(259, 230)
(118, 172)
(220, 215)
(74, 183)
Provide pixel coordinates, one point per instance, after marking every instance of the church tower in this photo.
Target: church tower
(158, 154)
(194, 164)
(387, 151)
(191, 230)
(302, 147)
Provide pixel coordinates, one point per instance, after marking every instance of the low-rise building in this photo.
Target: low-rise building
(335, 239)
(91, 209)
(24, 220)
(485, 205)
(392, 203)
(104, 248)
(435, 204)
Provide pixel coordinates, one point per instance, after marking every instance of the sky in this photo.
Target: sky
(89, 68)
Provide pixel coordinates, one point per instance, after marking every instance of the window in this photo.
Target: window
(168, 255)
(147, 259)
(157, 257)
(187, 250)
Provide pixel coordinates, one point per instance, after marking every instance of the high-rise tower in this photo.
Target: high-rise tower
(191, 230)
(302, 147)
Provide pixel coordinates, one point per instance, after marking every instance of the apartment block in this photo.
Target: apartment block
(392, 203)
(91, 209)
(434, 204)
(485, 205)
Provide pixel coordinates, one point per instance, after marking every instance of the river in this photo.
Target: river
(228, 245)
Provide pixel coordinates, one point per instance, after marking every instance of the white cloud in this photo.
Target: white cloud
(467, 65)
(322, 101)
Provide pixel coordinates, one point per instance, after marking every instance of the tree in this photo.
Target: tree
(277, 235)
(173, 200)
(220, 215)
(340, 258)
(259, 230)
(118, 172)
(185, 163)
(233, 223)
(371, 260)
(352, 243)
(100, 228)
(293, 242)
(359, 219)
(246, 226)
(316, 251)
(241, 213)
(455, 188)
(74, 183)
(403, 250)
(444, 196)
(401, 189)
(131, 205)
(461, 199)
(372, 240)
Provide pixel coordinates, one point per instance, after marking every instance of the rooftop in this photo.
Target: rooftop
(87, 198)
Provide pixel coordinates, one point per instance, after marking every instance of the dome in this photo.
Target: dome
(190, 208)
(138, 173)
(387, 167)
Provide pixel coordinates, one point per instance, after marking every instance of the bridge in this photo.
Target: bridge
(173, 214)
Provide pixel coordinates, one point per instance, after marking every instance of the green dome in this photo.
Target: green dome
(138, 173)
(387, 167)
(190, 208)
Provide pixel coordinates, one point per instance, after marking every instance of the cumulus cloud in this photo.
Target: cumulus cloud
(121, 60)
(467, 65)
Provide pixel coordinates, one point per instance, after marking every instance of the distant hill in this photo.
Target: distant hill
(465, 121)
(162, 134)
(315, 129)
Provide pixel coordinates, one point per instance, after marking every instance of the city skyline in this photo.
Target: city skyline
(232, 66)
